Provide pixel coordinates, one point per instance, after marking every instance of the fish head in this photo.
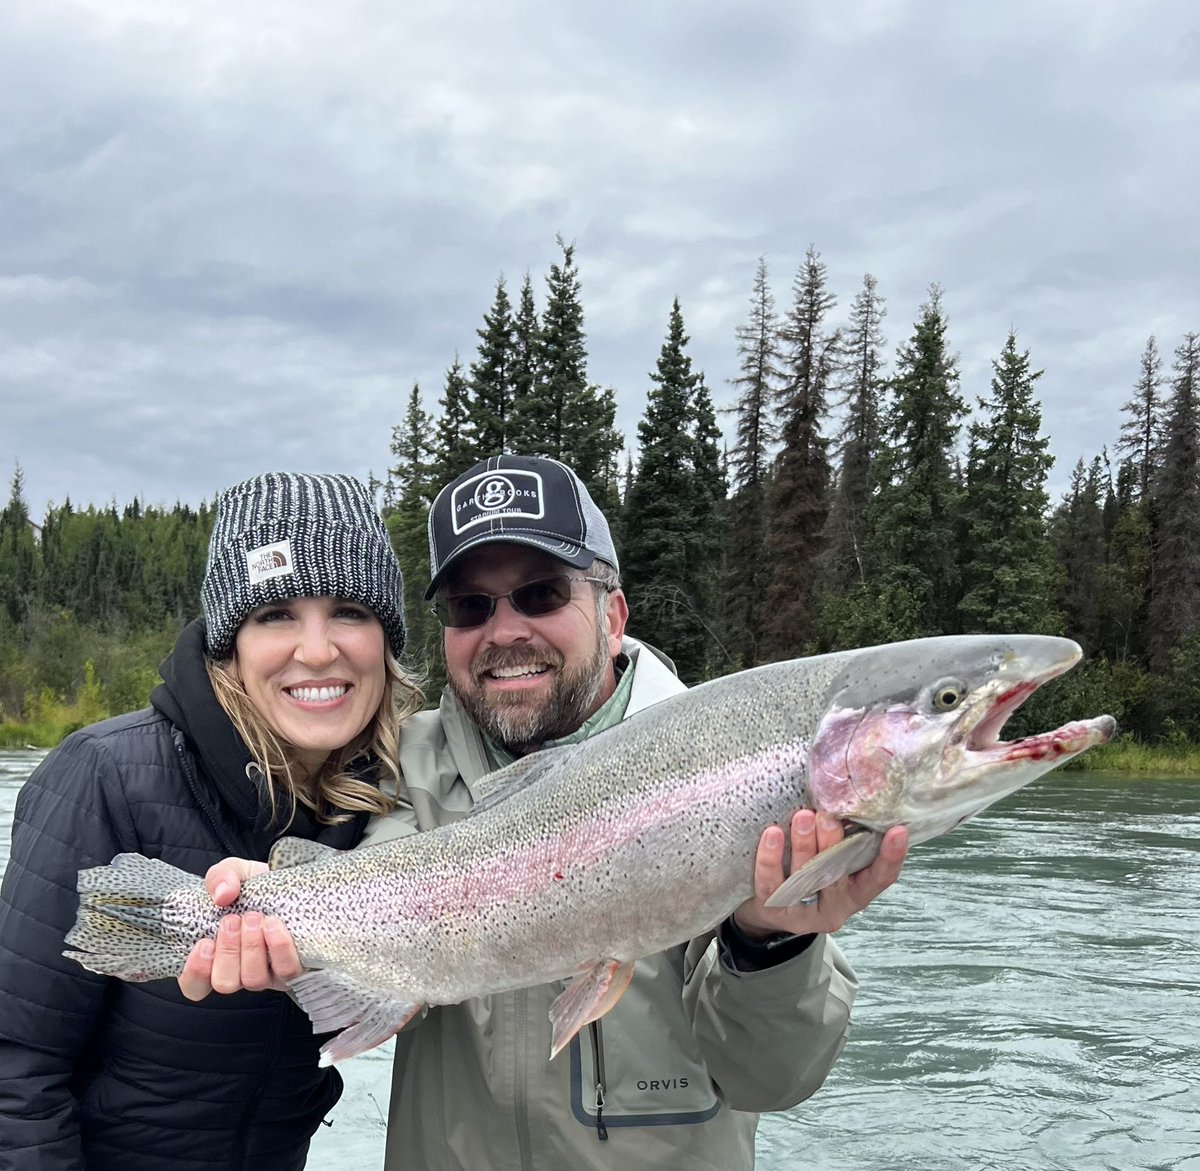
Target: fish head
(912, 735)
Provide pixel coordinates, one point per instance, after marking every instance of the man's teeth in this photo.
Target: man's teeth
(517, 672)
(317, 694)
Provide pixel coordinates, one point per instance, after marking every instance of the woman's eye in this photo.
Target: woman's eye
(272, 615)
(353, 613)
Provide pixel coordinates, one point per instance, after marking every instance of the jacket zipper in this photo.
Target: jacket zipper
(185, 762)
(520, 1077)
(598, 1070)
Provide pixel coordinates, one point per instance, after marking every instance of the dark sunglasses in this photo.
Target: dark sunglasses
(533, 599)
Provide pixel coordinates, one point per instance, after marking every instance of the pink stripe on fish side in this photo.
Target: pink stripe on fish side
(525, 872)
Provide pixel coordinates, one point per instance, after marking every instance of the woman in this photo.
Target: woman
(277, 715)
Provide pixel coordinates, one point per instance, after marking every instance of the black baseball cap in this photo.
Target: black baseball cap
(525, 499)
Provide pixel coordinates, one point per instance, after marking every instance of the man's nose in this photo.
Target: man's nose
(507, 624)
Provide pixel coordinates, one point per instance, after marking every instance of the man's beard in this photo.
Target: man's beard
(510, 719)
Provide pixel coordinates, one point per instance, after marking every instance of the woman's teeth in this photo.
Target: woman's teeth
(317, 694)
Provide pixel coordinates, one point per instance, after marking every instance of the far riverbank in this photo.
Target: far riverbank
(1176, 759)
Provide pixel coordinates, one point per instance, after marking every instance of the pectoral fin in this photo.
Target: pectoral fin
(366, 1016)
(587, 998)
(850, 855)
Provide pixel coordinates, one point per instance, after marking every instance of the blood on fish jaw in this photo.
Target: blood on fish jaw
(1069, 740)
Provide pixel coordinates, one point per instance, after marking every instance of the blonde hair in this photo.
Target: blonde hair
(333, 793)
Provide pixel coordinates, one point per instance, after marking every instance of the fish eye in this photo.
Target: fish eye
(947, 694)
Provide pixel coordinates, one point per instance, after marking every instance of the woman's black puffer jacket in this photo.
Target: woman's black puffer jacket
(98, 1074)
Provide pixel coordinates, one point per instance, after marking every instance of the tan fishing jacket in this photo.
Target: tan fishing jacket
(673, 1077)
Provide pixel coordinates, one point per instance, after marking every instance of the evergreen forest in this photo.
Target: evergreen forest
(864, 495)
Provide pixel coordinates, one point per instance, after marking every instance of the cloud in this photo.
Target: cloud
(233, 239)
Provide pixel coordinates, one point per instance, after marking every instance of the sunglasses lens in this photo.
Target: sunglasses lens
(464, 610)
(542, 597)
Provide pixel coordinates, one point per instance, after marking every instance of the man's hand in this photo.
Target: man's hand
(250, 951)
(812, 833)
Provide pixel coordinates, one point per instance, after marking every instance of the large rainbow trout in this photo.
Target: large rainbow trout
(583, 858)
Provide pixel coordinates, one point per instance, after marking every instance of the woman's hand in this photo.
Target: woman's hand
(250, 952)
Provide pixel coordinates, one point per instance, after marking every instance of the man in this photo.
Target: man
(710, 1033)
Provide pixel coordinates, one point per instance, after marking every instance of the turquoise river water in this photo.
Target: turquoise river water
(1029, 998)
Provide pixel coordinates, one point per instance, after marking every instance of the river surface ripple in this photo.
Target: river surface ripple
(1028, 1000)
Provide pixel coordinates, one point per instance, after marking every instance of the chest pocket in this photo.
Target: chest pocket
(645, 1055)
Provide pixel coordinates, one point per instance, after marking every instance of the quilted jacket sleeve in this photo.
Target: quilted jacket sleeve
(70, 815)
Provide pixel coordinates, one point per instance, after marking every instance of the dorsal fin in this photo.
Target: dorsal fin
(289, 852)
(513, 778)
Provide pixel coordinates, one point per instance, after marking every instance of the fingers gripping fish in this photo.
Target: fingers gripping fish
(583, 858)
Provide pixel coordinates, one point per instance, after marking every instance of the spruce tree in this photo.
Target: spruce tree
(18, 554)
(413, 489)
(561, 361)
(1141, 432)
(1175, 605)
(491, 380)
(861, 386)
(1077, 534)
(592, 443)
(1123, 581)
(454, 449)
(912, 555)
(710, 518)
(672, 534)
(746, 575)
(525, 379)
(799, 493)
(1009, 575)
(556, 411)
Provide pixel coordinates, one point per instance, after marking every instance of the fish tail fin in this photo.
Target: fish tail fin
(119, 929)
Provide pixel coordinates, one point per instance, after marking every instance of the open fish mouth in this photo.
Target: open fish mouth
(985, 736)
(1067, 741)
(1055, 745)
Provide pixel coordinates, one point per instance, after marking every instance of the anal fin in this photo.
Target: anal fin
(366, 1016)
(587, 998)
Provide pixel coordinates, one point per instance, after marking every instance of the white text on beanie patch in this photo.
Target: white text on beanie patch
(269, 561)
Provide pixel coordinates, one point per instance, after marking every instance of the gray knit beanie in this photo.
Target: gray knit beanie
(288, 535)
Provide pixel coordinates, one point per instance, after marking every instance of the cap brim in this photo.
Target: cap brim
(568, 552)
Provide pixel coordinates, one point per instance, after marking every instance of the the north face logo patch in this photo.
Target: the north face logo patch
(269, 561)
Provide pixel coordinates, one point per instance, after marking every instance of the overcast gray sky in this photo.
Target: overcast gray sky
(233, 235)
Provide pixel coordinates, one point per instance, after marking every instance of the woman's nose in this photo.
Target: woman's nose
(316, 648)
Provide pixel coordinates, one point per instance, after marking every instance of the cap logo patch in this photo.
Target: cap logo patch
(269, 561)
(494, 492)
(512, 495)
